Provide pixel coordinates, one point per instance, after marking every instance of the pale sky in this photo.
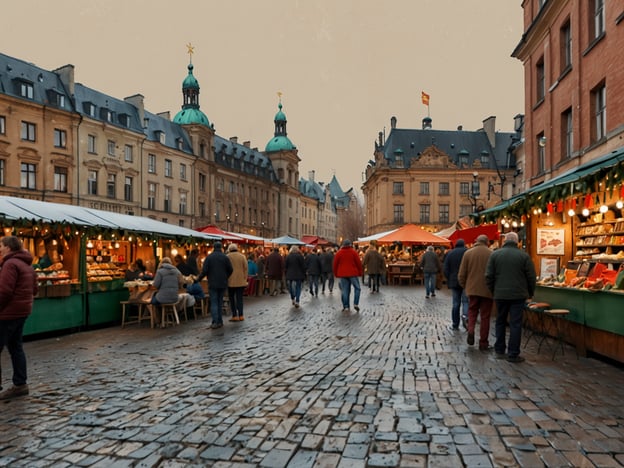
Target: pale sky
(344, 67)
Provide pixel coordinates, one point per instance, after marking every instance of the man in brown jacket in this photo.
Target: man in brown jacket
(471, 277)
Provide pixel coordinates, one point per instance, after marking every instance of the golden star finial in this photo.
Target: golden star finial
(190, 50)
(279, 95)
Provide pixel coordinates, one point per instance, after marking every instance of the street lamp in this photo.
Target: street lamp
(235, 221)
(475, 191)
(227, 218)
(262, 229)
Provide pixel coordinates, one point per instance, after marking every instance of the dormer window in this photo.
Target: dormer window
(463, 158)
(179, 143)
(89, 109)
(55, 98)
(124, 119)
(106, 114)
(161, 136)
(485, 158)
(26, 90)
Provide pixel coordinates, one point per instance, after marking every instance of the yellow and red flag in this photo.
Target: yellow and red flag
(425, 98)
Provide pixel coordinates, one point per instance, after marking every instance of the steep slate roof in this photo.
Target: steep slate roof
(123, 114)
(173, 132)
(46, 85)
(411, 142)
(312, 189)
(242, 158)
(339, 198)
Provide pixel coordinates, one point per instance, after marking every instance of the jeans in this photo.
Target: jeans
(512, 308)
(294, 287)
(329, 277)
(314, 281)
(430, 283)
(460, 300)
(373, 281)
(11, 336)
(216, 305)
(236, 301)
(345, 291)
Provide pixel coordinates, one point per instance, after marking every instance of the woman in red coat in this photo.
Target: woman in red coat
(18, 287)
(348, 268)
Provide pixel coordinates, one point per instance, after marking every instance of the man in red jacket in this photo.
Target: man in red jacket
(18, 287)
(348, 269)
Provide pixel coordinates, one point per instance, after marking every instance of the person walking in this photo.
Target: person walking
(327, 273)
(192, 264)
(348, 268)
(452, 261)
(274, 271)
(217, 268)
(295, 272)
(18, 287)
(313, 270)
(431, 266)
(471, 277)
(510, 276)
(237, 282)
(374, 265)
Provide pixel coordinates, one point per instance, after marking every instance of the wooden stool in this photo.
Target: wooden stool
(201, 306)
(169, 314)
(557, 317)
(142, 312)
(538, 329)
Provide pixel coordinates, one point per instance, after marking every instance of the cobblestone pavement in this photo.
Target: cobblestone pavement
(310, 387)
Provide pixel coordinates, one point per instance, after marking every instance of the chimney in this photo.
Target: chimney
(247, 144)
(138, 101)
(393, 122)
(380, 138)
(164, 115)
(489, 127)
(234, 140)
(311, 176)
(66, 74)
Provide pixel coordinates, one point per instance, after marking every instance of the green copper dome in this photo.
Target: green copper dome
(279, 143)
(190, 113)
(280, 116)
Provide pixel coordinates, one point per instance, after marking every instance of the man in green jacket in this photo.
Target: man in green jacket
(510, 275)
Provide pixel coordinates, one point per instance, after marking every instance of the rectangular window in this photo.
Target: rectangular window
(60, 179)
(600, 112)
(168, 168)
(28, 176)
(397, 188)
(92, 183)
(2, 125)
(27, 90)
(111, 183)
(202, 209)
(29, 131)
(60, 138)
(183, 203)
(2, 171)
(425, 213)
(566, 46)
(128, 189)
(464, 188)
(398, 214)
(167, 199)
(540, 80)
(424, 188)
(92, 144)
(202, 182)
(398, 161)
(151, 196)
(444, 188)
(128, 156)
(151, 163)
(598, 26)
(567, 140)
(464, 210)
(443, 214)
(111, 148)
(182, 171)
(541, 153)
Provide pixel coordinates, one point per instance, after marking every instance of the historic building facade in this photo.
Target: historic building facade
(574, 90)
(434, 177)
(61, 141)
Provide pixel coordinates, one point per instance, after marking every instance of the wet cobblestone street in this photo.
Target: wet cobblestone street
(310, 387)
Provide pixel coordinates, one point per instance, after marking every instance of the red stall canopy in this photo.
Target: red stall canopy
(470, 235)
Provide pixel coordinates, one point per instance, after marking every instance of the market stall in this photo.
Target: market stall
(573, 228)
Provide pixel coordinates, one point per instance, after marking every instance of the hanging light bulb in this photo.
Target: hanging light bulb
(604, 208)
(585, 212)
(619, 204)
(571, 212)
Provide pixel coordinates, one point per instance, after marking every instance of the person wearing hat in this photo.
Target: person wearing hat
(348, 268)
(510, 276)
(452, 261)
(375, 266)
(217, 269)
(237, 282)
(471, 277)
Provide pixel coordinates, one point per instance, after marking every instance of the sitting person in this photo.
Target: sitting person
(132, 273)
(182, 266)
(167, 282)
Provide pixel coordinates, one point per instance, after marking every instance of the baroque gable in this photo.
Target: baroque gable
(433, 157)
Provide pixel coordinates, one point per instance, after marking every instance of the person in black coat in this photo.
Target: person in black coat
(217, 269)
(313, 269)
(295, 273)
(452, 261)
